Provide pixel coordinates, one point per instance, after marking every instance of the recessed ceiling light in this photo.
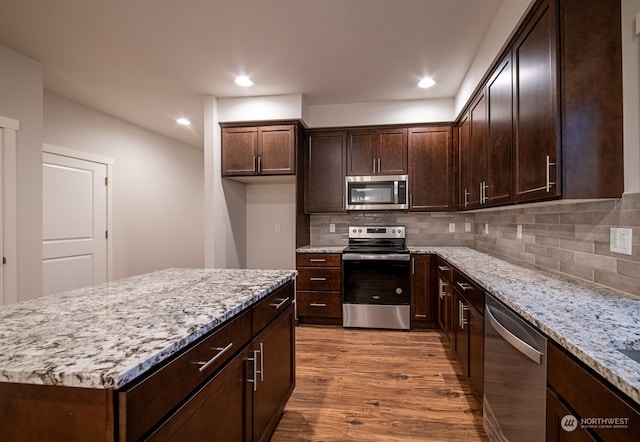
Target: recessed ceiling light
(426, 82)
(183, 121)
(244, 81)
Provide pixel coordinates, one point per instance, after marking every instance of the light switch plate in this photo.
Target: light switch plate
(332, 228)
(452, 227)
(486, 228)
(519, 231)
(620, 240)
(277, 228)
(467, 227)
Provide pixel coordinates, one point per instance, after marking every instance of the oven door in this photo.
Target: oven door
(382, 279)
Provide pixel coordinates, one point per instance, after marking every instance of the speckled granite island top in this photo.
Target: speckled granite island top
(588, 320)
(107, 335)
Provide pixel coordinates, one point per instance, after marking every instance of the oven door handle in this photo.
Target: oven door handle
(512, 339)
(375, 257)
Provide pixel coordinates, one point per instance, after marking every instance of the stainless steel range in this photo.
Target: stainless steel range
(376, 292)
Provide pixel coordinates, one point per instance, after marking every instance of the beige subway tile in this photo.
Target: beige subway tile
(616, 281)
(603, 248)
(607, 263)
(535, 249)
(561, 254)
(630, 201)
(577, 245)
(561, 230)
(576, 218)
(543, 240)
(611, 218)
(525, 219)
(550, 263)
(630, 218)
(599, 205)
(629, 268)
(592, 233)
(548, 218)
(577, 270)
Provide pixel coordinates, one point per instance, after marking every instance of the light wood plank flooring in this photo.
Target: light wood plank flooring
(373, 385)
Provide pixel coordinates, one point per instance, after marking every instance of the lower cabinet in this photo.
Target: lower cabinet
(319, 288)
(469, 331)
(573, 389)
(445, 299)
(424, 305)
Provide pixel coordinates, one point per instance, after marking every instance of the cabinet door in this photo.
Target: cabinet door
(464, 163)
(276, 150)
(430, 169)
(361, 152)
(500, 129)
(274, 351)
(422, 301)
(476, 351)
(239, 151)
(536, 115)
(206, 417)
(461, 333)
(325, 177)
(449, 327)
(392, 152)
(556, 411)
(477, 150)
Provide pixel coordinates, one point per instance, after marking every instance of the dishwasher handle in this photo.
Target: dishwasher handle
(512, 339)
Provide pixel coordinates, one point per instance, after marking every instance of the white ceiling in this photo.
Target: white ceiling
(151, 61)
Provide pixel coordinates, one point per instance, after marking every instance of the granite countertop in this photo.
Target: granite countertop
(588, 320)
(107, 335)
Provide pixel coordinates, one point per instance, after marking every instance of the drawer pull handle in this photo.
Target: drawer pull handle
(318, 304)
(282, 302)
(215, 358)
(420, 316)
(254, 359)
(317, 260)
(443, 268)
(464, 286)
(317, 279)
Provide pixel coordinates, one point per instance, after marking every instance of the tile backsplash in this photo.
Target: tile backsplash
(570, 237)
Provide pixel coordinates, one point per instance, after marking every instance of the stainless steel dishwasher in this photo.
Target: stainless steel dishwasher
(515, 376)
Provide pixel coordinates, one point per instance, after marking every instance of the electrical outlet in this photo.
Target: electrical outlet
(277, 229)
(620, 241)
(452, 227)
(467, 227)
(486, 228)
(519, 231)
(332, 228)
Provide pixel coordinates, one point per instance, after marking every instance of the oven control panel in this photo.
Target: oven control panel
(371, 232)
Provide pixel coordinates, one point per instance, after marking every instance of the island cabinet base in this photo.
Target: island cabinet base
(230, 385)
(46, 412)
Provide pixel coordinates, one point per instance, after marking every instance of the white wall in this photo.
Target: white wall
(268, 205)
(273, 107)
(158, 186)
(631, 95)
(21, 83)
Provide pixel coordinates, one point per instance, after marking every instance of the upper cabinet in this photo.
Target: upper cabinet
(377, 152)
(431, 169)
(325, 171)
(547, 123)
(259, 150)
(536, 107)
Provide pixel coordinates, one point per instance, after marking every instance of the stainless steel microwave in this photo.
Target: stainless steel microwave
(377, 192)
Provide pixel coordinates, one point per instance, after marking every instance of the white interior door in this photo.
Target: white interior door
(74, 223)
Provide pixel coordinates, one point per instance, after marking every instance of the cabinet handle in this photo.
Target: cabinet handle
(374, 165)
(413, 266)
(463, 308)
(261, 362)
(379, 167)
(254, 381)
(483, 192)
(549, 164)
(259, 164)
(318, 304)
(443, 268)
(420, 316)
(443, 291)
(206, 364)
(464, 286)
(317, 279)
(317, 260)
(466, 197)
(255, 164)
(282, 302)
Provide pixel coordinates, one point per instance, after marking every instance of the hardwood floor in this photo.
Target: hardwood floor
(373, 385)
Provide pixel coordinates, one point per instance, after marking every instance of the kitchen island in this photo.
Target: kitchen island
(140, 356)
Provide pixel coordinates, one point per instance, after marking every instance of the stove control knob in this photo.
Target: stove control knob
(359, 230)
(399, 231)
(393, 230)
(354, 230)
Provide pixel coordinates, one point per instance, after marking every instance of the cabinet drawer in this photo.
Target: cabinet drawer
(145, 403)
(319, 279)
(469, 290)
(445, 270)
(318, 260)
(319, 304)
(589, 396)
(270, 307)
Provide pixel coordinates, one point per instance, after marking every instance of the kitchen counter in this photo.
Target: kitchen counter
(103, 337)
(588, 320)
(320, 249)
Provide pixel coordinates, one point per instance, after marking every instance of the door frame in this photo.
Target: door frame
(107, 161)
(8, 210)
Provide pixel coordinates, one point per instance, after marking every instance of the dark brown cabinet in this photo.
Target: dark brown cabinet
(536, 107)
(573, 386)
(319, 288)
(325, 172)
(445, 299)
(273, 360)
(469, 331)
(377, 152)
(431, 169)
(477, 151)
(423, 303)
(259, 150)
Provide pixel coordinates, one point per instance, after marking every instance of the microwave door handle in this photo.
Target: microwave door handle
(395, 192)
